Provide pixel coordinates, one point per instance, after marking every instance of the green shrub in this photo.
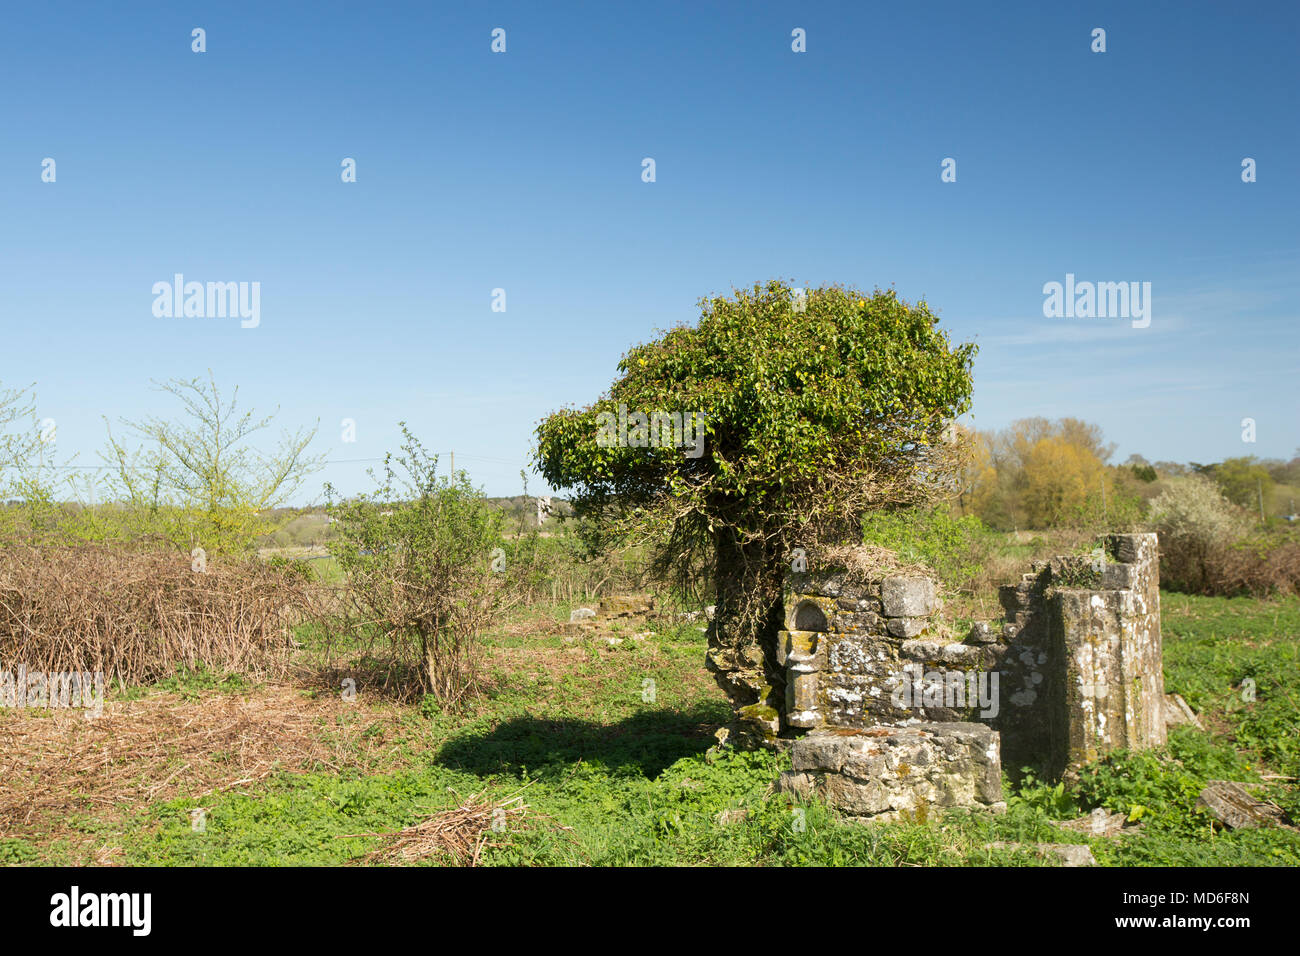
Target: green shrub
(419, 555)
(1145, 785)
(954, 547)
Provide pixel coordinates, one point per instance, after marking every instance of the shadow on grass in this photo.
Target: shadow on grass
(644, 744)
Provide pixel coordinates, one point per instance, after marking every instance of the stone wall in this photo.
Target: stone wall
(856, 655)
(1073, 671)
(1080, 655)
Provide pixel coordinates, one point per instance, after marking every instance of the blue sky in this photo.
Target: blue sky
(522, 171)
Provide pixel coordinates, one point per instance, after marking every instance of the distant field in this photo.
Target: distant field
(306, 530)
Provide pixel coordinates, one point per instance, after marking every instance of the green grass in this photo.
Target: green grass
(615, 775)
(327, 570)
(190, 683)
(1237, 663)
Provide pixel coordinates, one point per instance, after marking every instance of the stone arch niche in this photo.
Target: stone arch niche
(809, 616)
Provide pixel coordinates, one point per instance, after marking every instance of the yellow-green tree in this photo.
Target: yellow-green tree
(1060, 479)
(201, 480)
(1039, 473)
(1244, 481)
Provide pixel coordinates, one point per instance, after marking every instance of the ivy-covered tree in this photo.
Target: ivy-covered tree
(816, 406)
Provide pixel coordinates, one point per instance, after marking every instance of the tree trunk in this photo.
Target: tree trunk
(743, 637)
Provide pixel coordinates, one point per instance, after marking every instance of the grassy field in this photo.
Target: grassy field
(608, 746)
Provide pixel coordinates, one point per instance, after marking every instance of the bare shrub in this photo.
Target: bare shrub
(139, 615)
(1262, 565)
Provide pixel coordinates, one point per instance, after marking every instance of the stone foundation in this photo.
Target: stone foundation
(898, 773)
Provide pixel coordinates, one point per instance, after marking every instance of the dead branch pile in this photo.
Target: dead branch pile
(864, 563)
(458, 834)
(138, 615)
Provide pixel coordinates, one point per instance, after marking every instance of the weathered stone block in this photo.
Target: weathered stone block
(1177, 711)
(908, 626)
(795, 784)
(1014, 597)
(810, 613)
(799, 646)
(859, 798)
(1233, 805)
(907, 596)
(1118, 577)
(625, 605)
(939, 651)
(1109, 645)
(1064, 854)
(857, 621)
(1133, 548)
(819, 752)
(801, 697)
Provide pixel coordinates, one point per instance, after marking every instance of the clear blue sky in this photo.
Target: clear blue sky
(523, 171)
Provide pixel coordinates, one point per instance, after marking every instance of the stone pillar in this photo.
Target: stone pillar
(802, 654)
(1109, 646)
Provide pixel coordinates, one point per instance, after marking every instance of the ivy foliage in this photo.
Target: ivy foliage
(816, 404)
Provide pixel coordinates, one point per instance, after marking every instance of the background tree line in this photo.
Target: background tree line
(1225, 527)
(1037, 474)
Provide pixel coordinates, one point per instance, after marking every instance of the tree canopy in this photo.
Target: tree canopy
(851, 391)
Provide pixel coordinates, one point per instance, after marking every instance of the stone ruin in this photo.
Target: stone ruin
(888, 714)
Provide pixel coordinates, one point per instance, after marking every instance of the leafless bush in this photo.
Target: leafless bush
(138, 615)
(1262, 565)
